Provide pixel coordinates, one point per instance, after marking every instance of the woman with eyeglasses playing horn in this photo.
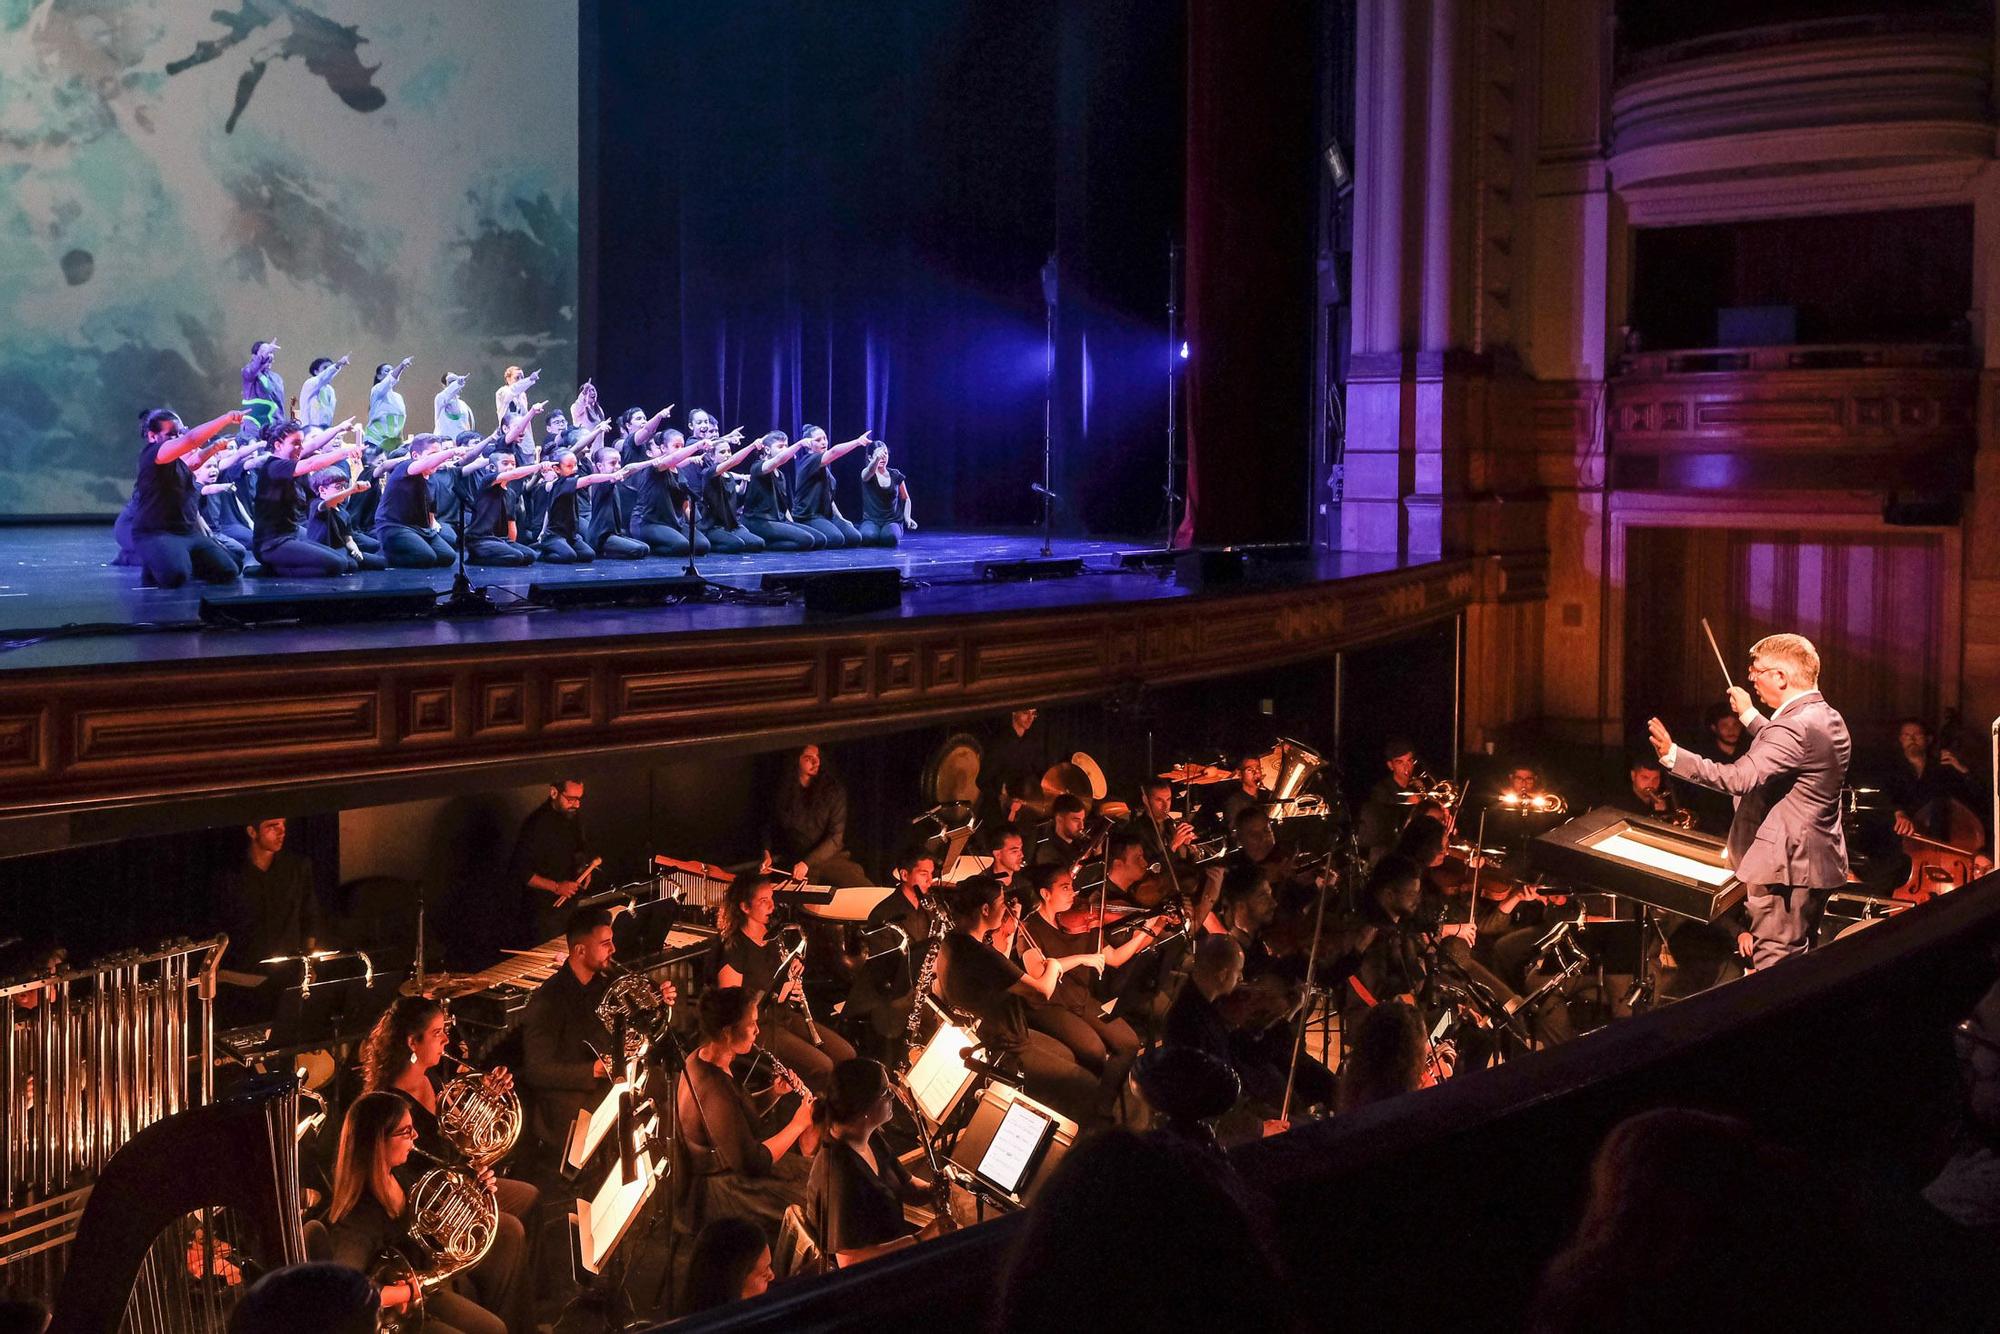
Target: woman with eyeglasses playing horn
(369, 1217)
(400, 1056)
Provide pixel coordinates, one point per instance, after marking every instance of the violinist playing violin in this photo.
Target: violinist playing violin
(1074, 1014)
(1257, 844)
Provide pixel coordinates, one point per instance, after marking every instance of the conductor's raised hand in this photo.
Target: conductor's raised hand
(1740, 702)
(1656, 732)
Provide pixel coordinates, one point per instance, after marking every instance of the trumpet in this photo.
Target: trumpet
(1425, 788)
(1534, 803)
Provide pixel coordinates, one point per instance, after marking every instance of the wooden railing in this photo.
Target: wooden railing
(1864, 417)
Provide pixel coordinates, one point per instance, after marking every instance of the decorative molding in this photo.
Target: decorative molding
(1867, 427)
(72, 743)
(1886, 120)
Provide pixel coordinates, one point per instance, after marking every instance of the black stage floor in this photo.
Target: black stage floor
(62, 603)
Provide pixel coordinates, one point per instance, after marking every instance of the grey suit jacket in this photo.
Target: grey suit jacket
(1787, 790)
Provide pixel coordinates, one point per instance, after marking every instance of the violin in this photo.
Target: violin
(1083, 917)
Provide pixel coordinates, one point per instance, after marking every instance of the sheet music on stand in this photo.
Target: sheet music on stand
(602, 1221)
(939, 1078)
(590, 1128)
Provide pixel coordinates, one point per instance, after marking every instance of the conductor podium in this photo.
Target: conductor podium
(1667, 868)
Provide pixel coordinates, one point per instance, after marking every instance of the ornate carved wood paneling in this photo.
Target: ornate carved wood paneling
(1846, 418)
(71, 743)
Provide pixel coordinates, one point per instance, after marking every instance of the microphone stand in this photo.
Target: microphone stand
(1048, 401)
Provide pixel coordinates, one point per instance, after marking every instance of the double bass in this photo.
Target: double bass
(1940, 864)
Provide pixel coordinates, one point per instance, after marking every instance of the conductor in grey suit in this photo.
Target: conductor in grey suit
(1785, 843)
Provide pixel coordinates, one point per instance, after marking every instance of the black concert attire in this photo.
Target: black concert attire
(881, 509)
(655, 516)
(1014, 762)
(517, 1198)
(783, 1027)
(550, 845)
(406, 525)
(1381, 818)
(366, 1231)
(851, 1206)
(1074, 1016)
(277, 526)
(602, 515)
(1234, 802)
(266, 913)
(224, 511)
(767, 503)
(1262, 1058)
(327, 525)
(561, 542)
(813, 504)
(975, 979)
(492, 518)
(560, 1031)
(168, 535)
(1053, 850)
(1152, 837)
(1923, 796)
(884, 990)
(723, 1135)
(720, 523)
(809, 824)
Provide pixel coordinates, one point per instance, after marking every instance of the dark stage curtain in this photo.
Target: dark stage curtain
(1251, 190)
(820, 211)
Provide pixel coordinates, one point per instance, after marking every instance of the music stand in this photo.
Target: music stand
(601, 1223)
(1010, 1144)
(590, 1128)
(938, 1080)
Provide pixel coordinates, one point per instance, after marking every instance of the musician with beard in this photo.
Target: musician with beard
(1061, 841)
(1159, 833)
(567, 1060)
(548, 868)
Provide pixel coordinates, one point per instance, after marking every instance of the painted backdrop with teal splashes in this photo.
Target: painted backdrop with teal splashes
(372, 177)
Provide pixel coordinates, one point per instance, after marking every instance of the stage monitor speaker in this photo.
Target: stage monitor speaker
(1151, 559)
(1031, 567)
(1209, 565)
(328, 608)
(617, 592)
(842, 592)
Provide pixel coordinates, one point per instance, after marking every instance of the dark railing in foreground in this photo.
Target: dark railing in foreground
(1436, 1211)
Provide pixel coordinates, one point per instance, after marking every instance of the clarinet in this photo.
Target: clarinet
(927, 974)
(782, 1071)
